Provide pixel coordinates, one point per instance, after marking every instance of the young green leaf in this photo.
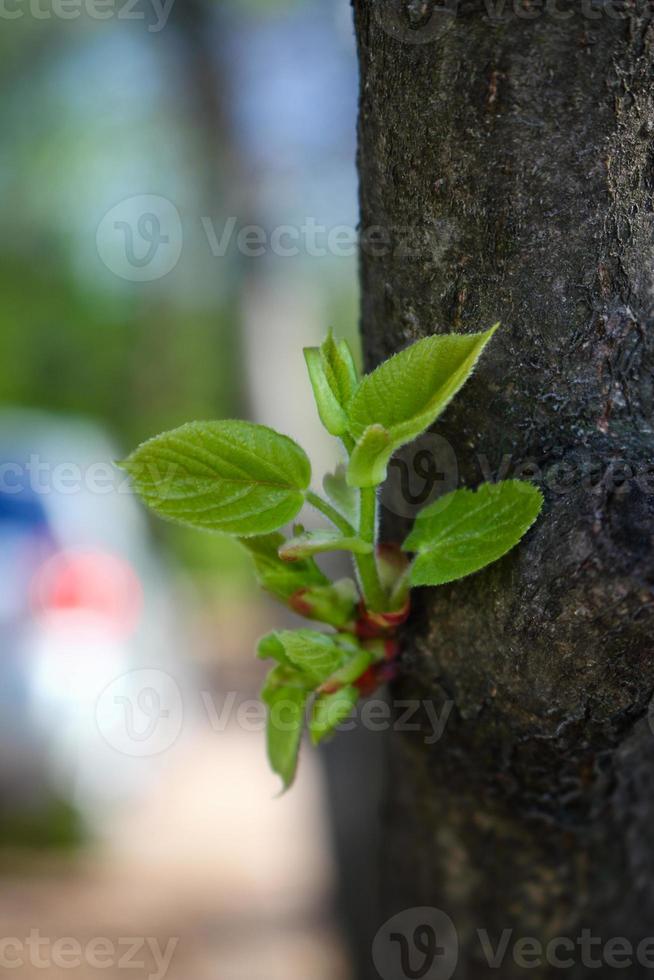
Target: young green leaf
(344, 497)
(316, 542)
(356, 665)
(285, 696)
(316, 656)
(465, 530)
(333, 604)
(334, 380)
(270, 647)
(370, 457)
(329, 710)
(229, 476)
(407, 393)
(279, 577)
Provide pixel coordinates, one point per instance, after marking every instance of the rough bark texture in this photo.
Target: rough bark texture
(521, 154)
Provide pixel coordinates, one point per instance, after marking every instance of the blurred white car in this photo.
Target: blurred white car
(84, 604)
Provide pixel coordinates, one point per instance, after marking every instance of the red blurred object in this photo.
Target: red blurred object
(93, 582)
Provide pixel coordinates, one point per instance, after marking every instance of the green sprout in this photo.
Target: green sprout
(248, 481)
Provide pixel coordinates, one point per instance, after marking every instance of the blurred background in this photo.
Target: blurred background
(179, 189)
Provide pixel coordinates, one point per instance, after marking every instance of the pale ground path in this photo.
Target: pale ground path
(207, 856)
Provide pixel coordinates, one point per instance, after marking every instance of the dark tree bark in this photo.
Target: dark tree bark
(520, 153)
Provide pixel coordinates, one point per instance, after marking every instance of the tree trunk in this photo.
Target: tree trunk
(507, 170)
